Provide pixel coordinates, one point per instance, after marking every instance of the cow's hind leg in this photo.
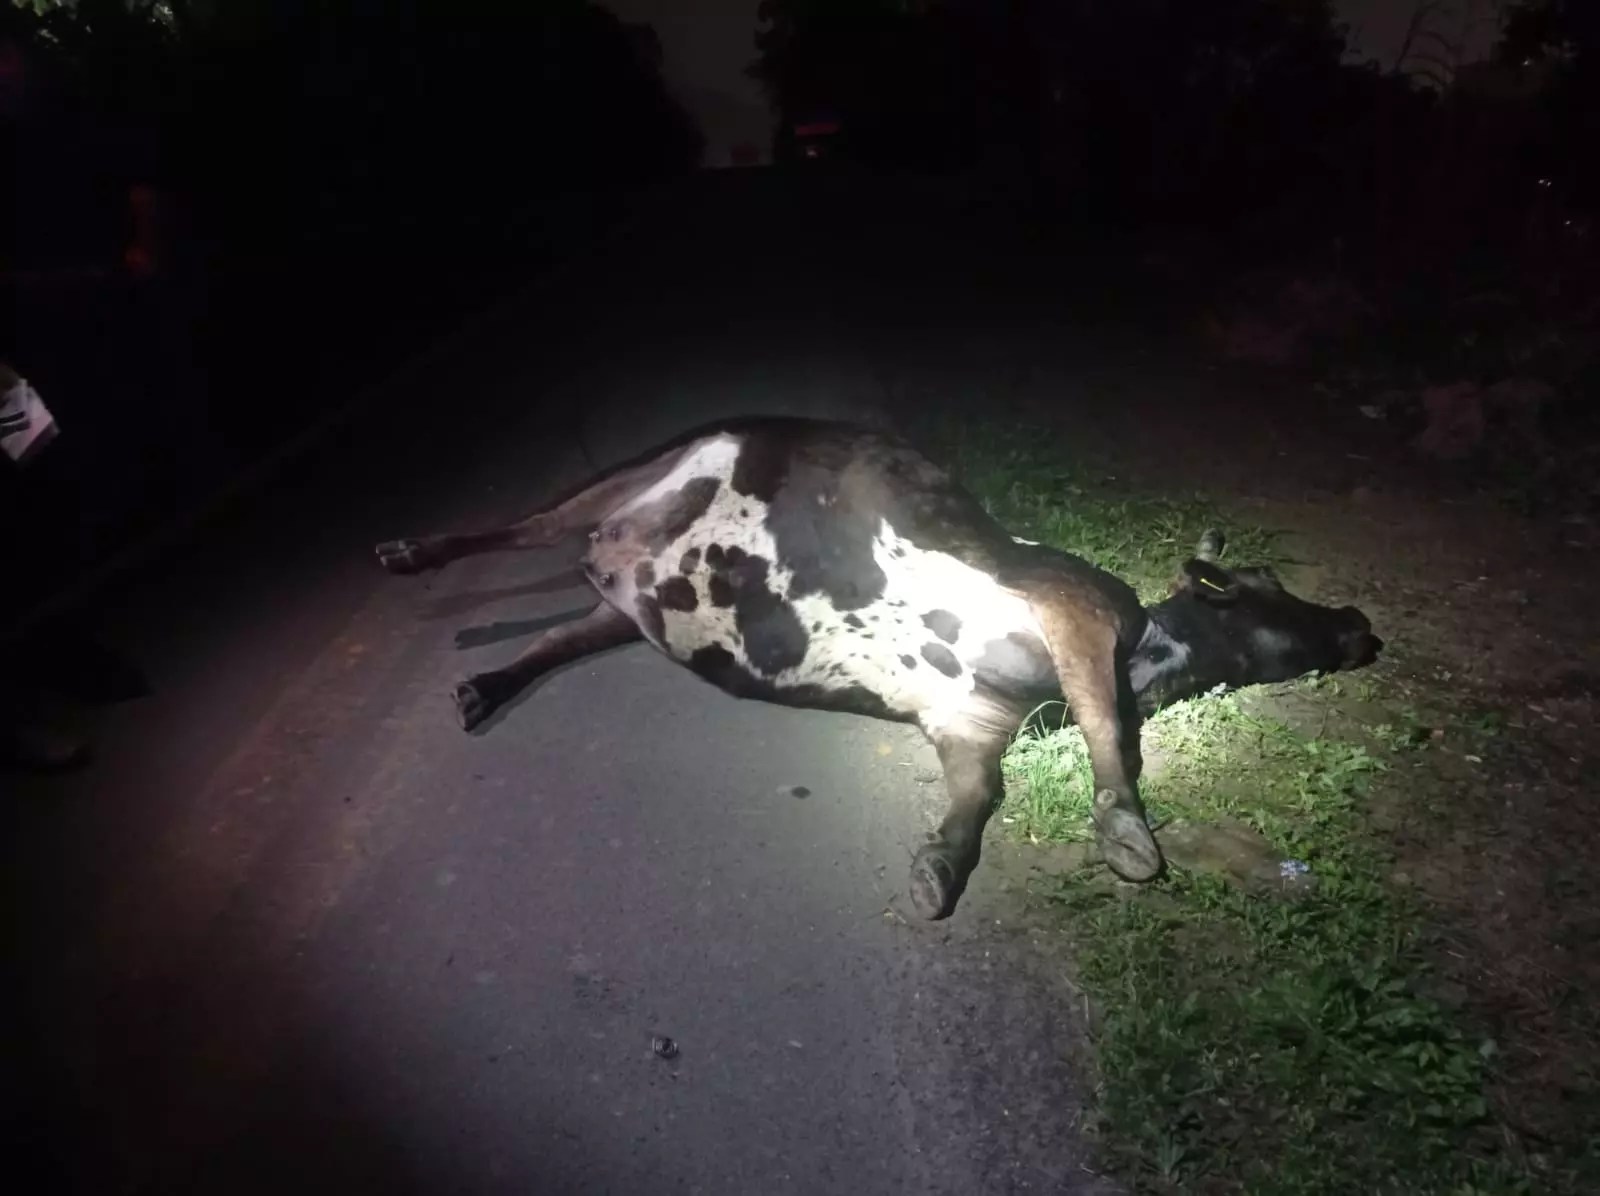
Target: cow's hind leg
(482, 694)
(577, 513)
(970, 751)
(1083, 645)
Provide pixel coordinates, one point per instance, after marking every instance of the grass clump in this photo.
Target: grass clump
(1251, 1041)
(1246, 1038)
(1140, 537)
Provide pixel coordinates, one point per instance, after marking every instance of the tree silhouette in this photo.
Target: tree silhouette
(1561, 39)
(342, 120)
(1145, 101)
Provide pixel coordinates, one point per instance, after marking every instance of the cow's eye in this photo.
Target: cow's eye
(615, 532)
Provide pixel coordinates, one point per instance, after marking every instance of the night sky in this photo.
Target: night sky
(1378, 27)
(708, 44)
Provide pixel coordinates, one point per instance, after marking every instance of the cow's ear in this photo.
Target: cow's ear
(1209, 582)
(1260, 577)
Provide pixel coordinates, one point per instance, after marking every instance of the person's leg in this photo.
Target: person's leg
(29, 736)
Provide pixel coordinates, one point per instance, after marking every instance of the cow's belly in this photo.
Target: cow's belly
(935, 636)
(929, 634)
(903, 657)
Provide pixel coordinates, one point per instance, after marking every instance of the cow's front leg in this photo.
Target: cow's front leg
(1083, 645)
(417, 554)
(971, 753)
(578, 512)
(482, 694)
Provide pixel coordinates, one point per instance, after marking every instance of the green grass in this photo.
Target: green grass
(1142, 538)
(1246, 1040)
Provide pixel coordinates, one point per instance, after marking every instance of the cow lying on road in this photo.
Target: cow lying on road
(829, 566)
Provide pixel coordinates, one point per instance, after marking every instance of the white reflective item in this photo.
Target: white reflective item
(26, 424)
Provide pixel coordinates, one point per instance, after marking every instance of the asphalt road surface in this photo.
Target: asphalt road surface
(296, 932)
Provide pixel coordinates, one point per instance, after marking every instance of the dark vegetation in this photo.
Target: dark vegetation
(1288, 1009)
(331, 181)
(1218, 115)
(329, 177)
(1414, 233)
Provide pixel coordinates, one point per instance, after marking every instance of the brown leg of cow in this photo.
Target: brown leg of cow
(1083, 644)
(482, 694)
(970, 753)
(1131, 721)
(578, 513)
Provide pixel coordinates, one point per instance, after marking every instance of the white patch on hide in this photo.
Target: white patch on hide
(1269, 640)
(724, 526)
(711, 458)
(869, 656)
(720, 524)
(927, 581)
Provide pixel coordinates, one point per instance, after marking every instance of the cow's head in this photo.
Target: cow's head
(1238, 627)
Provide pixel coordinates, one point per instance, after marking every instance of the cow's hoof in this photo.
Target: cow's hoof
(934, 887)
(472, 705)
(1129, 848)
(403, 556)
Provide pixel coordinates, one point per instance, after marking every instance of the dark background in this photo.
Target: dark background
(335, 182)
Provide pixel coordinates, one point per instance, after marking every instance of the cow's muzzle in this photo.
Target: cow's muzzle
(1357, 644)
